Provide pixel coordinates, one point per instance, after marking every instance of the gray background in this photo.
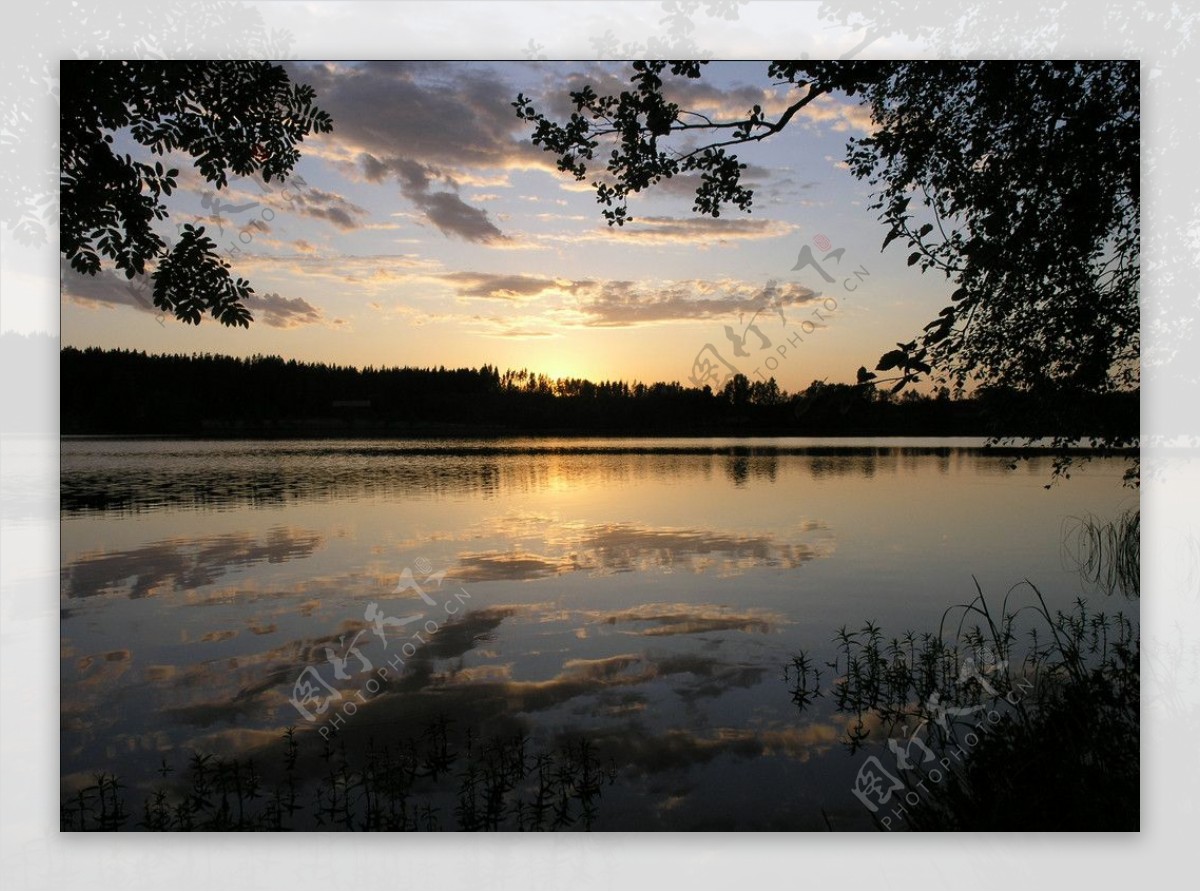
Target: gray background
(33, 854)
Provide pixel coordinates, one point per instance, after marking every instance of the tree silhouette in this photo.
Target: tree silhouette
(173, 396)
(1025, 177)
(230, 117)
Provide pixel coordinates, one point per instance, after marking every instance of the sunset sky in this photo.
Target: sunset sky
(430, 231)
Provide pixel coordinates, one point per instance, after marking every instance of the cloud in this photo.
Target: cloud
(844, 115)
(617, 303)
(454, 217)
(622, 548)
(445, 210)
(687, 619)
(521, 333)
(242, 206)
(107, 288)
(422, 123)
(374, 170)
(418, 111)
(369, 274)
(606, 549)
(509, 566)
(283, 312)
(179, 564)
(710, 230)
(507, 286)
(702, 232)
(321, 204)
(621, 304)
(433, 127)
(102, 670)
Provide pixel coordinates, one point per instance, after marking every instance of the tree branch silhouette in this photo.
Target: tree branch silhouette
(1018, 182)
(239, 118)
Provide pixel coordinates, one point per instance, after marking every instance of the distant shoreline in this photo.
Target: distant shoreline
(589, 443)
(122, 393)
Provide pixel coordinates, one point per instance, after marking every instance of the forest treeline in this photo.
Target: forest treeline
(131, 392)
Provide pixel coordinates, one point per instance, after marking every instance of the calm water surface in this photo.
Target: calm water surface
(641, 594)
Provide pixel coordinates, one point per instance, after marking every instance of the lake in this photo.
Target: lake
(624, 608)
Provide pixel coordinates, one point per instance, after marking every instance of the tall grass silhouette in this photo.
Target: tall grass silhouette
(421, 783)
(1020, 718)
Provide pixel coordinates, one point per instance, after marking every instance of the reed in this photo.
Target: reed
(1107, 554)
(425, 782)
(1016, 718)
